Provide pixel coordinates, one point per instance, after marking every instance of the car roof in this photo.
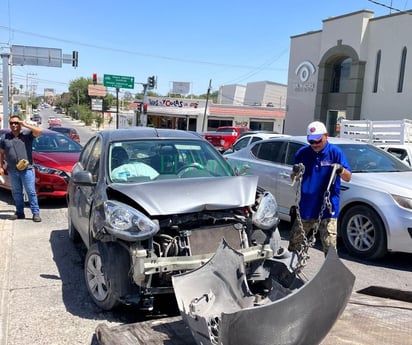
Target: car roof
(61, 128)
(303, 139)
(146, 132)
(264, 135)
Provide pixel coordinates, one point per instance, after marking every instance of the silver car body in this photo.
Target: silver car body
(374, 188)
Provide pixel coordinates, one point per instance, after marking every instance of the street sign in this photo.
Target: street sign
(97, 104)
(97, 90)
(118, 81)
(36, 56)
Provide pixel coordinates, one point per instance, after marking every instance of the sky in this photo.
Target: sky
(215, 42)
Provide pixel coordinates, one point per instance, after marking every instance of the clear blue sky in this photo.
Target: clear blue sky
(228, 42)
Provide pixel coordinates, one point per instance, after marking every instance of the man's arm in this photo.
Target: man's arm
(2, 157)
(34, 129)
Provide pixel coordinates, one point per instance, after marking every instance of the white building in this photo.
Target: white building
(259, 93)
(356, 67)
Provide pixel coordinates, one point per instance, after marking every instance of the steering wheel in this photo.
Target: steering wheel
(188, 167)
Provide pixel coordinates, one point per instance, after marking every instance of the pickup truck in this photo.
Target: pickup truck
(225, 136)
(393, 136)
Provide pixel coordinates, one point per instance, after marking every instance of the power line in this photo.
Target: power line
(389, 7)
(124, 51)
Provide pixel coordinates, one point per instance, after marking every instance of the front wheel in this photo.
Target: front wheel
(106, 273)
(363, 233)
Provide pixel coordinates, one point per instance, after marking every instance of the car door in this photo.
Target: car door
(286, 189)
(82, 198)
(265, 163)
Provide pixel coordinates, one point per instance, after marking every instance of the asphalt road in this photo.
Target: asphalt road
(43, 299)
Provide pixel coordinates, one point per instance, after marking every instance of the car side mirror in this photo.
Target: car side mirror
(242, 170)
(83, 178)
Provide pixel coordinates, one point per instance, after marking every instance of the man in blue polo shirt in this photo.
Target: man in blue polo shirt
(320, 159)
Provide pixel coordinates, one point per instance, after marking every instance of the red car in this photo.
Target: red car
(54, 155)
(68, 131)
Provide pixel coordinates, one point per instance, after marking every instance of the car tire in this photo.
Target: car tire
(363, 233)
(106, 270)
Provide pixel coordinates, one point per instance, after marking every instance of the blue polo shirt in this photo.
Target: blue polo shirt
(318, 170)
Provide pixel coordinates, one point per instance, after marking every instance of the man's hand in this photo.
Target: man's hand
(297, 168)
(338, 168)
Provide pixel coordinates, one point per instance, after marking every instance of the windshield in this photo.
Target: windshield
(368, 158)
(55, 143)
(146, 160)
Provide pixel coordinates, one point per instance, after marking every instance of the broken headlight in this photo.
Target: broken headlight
(126, 222)
(267, 214)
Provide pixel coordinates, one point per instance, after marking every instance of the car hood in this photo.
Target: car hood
(191, 195)
(392, 182)
(57, 160)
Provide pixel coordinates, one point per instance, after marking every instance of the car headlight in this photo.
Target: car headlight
(267, 214)
(402, 201)
(128, 223)
(47, 170)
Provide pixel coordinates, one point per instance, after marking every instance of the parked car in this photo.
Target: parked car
(149, 203)
(376, 205)
(224, 136)
(54, 155)
(54, 122)
(250, 138)
(36, 118)
(68, 131)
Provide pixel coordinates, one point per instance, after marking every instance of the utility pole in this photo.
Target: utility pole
(6, 87)
(207, 101)
(28, 95)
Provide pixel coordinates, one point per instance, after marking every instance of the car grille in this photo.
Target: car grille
(206, 240)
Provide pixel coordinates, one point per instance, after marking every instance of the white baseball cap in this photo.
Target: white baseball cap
(316, 130)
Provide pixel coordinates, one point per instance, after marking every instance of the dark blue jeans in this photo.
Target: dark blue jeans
(18, 180)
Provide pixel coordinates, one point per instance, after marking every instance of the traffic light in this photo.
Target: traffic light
(94, 78)
(145, 108)
(151, 82)
(75, 60)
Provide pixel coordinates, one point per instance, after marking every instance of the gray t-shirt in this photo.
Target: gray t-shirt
(16, 148)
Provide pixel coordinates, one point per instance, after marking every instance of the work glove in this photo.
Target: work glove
(297, 168)
(338, 168)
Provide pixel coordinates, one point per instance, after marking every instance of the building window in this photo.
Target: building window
(377, 67)
(341, 75)
(402, 70)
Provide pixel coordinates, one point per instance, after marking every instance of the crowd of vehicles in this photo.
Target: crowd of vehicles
(376, 205)
(151, 204)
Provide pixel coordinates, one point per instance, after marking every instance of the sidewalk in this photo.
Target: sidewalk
(6, 235)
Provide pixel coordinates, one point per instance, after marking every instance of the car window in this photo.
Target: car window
(368, 158)
(55, 143)
(255, 139)
(241, 143)
(93, 161)
(269, 151)
(86, 152)
(145, 160)
(291, 151)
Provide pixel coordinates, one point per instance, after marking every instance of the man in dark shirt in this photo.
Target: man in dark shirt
(16, 150)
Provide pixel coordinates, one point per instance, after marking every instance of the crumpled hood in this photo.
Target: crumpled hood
(191, 194)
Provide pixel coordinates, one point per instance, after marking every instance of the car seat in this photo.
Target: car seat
(119, 157)
(168, 159)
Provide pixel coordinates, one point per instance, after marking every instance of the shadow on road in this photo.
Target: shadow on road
(69, 259)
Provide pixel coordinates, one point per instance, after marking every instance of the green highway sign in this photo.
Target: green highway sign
(118, 81)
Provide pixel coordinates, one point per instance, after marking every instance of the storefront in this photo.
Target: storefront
(194, 116)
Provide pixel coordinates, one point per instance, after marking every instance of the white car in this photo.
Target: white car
(375, 206)
(250, 138)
